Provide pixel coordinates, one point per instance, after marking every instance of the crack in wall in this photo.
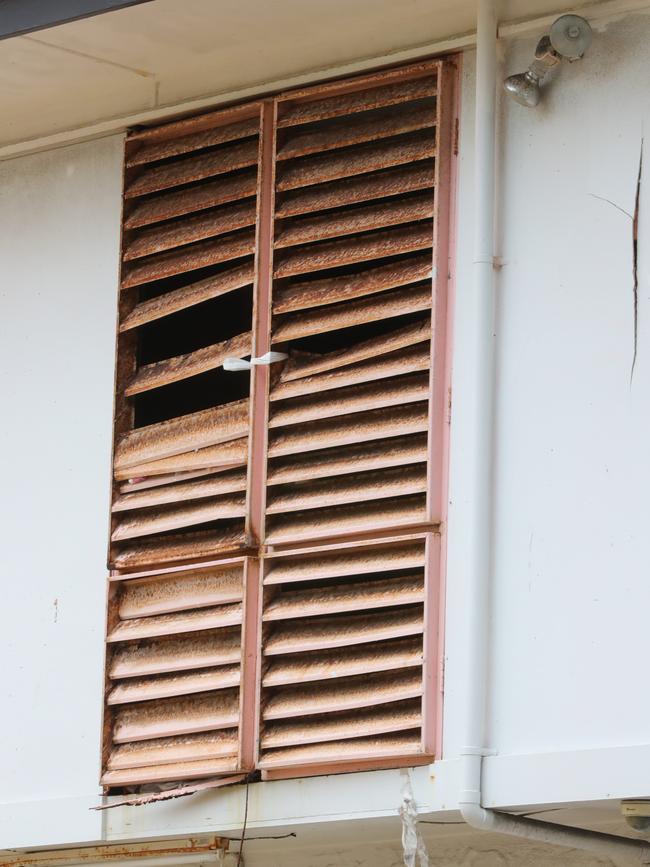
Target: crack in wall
(635, 260)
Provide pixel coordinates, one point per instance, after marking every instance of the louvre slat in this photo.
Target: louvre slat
(328, 290)
(180, 547)
(376, 216)
(343, 631)
(176, 204)
(411, 388)
(199, 650)
(188, 296)
(176, 716)
(346, 694)
(380, 484)
(191, 364)
(221, 456)
(337, 521)
(160, 520)
(190, 258)
(343, 662)
(363, 100)
(384, 306)
(180, 591)
(358, 596)
(166, 686)
(372, 425)
(165, 751)
(191, 229)
(196, 168)
(403, 361)
(149, 153)
(352, 191)
(357, 749)
(355, 161)
(361, 248)
(225, 483)
(368, 127)
(348, 459)
(175, 624)
(303, 364)
(163, 773)
(354, 561)
(360, 723)
(183, 434)
(145, 484)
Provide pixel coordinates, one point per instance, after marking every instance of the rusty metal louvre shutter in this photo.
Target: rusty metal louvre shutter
(360, 187)
(175, 669)
(191, 217)
(345, 676)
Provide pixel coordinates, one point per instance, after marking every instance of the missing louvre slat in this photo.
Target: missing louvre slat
(320, 169)
(196, 168)
(368, 127)
(358, 101)
(173, 147)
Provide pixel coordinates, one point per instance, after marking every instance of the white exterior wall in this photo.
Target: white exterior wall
(571, 474)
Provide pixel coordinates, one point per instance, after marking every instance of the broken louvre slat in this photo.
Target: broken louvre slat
(168, 205)
(362, 248)
(160, 238)
(148, 689)
(159, 656)
(381, 124)
(188, 296)
(146, 483)
(165, 751)
(351, 191)
(409, 360)
(224, 483)
(343, 662)
(367, 158)
(179, 547)
(221, 456)
(190, 258)
(380, 484)
(180, 591)
(366, 218)
(328, 290)
(174, 147)
(364, 100)
(196, 168)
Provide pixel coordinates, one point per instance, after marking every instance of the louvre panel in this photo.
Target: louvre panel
(343, 648)
(174, 672)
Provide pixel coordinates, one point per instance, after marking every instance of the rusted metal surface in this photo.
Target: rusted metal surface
(176, 624)
(363, 100)
(162, 773)
(387, 305)
(194, 141)
(351, 399)
(374, 485)
(332, 727)
(224, 456)
(167, 686)
(197, 256)
(375, 216)
(365, 158)
(344, 694)
(164, 518)
(112, 852)
(176, 716)
(162, 751)
(180, 591)
(223, 483)
(166, 237)
(159, 656)
(335, 752)
(176, 204)
(303, 364)
(370, 126)
(181, 791)
(196, 168)
(347, 251)
(328, 290)
(344, 631)
(347, 459)
(350, 191)
(204, 544)
(188, 296)
(186, 433)
(336, 599)
(343, 662)
(403, 361)
(146, 483)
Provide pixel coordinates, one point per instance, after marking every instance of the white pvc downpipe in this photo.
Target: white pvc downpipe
(480, 531)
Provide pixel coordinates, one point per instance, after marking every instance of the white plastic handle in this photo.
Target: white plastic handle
(242, 364)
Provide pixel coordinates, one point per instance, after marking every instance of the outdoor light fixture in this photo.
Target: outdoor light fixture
(569, 38)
